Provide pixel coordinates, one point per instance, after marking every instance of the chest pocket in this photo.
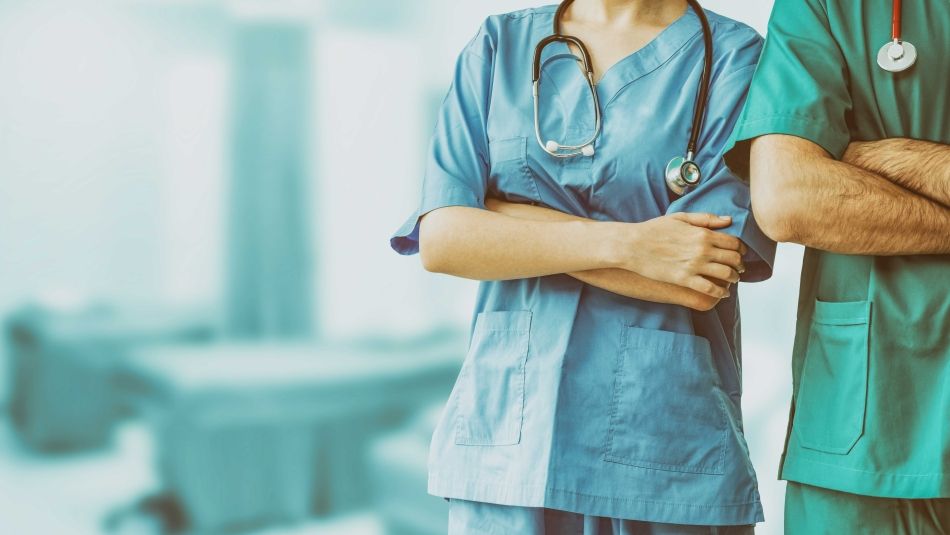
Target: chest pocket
(510, 178)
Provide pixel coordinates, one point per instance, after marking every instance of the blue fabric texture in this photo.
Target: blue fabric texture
(571, 397)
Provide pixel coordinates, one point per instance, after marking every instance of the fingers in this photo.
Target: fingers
(721, 272)
(701, 219)
(492, 204)
(720, 283)
(724, 241)
(728, 258)
(706, 286)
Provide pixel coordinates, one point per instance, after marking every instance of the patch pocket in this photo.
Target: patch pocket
(668, 411)
(832, 394)
(491, 383)
(509, 175)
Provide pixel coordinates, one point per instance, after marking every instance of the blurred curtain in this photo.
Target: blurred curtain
(270, 265)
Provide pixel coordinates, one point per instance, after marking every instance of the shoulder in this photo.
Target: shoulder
(512, 27)
(521, 20)
(736, 46)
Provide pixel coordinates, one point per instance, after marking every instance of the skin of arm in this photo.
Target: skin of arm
(801, 194)
(922, 167)
(479, 244)
(618, 281)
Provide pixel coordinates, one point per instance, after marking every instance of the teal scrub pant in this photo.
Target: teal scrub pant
(816, 511)
(475, 518)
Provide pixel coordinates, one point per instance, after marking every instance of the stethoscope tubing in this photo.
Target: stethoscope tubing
(896, 20)
(680, 180)
(702, 95)
(896, 55)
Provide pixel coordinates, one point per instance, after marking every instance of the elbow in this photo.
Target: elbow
(432, 251)
(430, 254)
(782, 202)
(776, 208)
(430, 261)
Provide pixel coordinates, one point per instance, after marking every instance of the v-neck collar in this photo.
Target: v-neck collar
(645, 60)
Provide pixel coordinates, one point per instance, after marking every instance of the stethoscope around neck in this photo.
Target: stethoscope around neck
(682, 172)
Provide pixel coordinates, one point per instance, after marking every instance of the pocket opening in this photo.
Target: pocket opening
(831, 403)
(490, 393)
(509, 173)
(649, 427)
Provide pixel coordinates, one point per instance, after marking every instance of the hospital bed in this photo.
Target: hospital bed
(62, 363)
(253, 434)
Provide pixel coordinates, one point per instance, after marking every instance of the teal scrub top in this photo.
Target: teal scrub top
(871, 362)
(571, 397)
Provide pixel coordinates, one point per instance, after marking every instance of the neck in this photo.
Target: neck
(627, 12)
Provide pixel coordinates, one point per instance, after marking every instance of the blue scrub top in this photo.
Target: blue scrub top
(571, 397)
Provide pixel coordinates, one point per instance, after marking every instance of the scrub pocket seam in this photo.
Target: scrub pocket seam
(849, 323)
(493, 376)
(513, 149)
(684, 344)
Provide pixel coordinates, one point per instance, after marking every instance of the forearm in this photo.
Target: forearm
(483, 245)
(920, 166)
(801, 195)
(618, 281)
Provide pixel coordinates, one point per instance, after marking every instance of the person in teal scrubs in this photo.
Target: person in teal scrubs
(852, 161)
(601, 389)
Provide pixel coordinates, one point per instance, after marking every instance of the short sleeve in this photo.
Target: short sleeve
(720, 192)
(800, 87)
(457, 162)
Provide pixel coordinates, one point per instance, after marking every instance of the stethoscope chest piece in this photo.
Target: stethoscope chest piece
(682, 173)
(897, 56)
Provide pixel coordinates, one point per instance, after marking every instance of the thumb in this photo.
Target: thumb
(701, 219)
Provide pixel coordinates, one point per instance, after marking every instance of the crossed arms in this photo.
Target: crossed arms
(887, 197)
(677, 259)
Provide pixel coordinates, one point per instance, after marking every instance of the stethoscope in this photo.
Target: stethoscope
(682, 172)
(896, 55)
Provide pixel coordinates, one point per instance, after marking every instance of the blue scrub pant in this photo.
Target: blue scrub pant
(475, 518)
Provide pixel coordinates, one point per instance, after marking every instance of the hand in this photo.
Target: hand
(682, 249)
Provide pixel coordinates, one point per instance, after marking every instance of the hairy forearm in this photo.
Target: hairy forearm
(800, 194)
(483, 245)
(920, 166)
(618, 281)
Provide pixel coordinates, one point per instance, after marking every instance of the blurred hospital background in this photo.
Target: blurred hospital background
(204, 328)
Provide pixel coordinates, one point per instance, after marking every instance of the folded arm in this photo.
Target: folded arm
(484, 245)
(801, 194)
(919, 166)
(618, 281)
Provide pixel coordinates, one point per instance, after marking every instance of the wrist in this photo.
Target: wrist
(615, 241)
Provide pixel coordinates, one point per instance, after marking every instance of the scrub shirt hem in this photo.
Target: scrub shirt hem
(863, 482)
(626, 508)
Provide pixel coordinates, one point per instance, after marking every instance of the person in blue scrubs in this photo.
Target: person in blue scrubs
(601, 389)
